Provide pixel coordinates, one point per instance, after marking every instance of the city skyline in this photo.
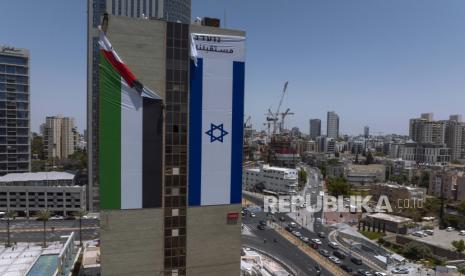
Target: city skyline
(398, 71)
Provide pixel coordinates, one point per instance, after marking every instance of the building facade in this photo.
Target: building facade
(15, 148)
(178, 237)
(60, 137)
(315, 128)
(171, 10)
(332, 125)
(29, 193)
(447, 184)
(274, 179)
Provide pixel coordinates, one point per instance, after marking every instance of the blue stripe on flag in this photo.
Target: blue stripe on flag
(237, 131)
(195, 132)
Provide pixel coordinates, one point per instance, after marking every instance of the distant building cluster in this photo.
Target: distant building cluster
(60, 137)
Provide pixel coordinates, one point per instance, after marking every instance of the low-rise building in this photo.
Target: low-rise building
(365, 174)
(29, 193)
(275, 179)
(398, 192)
(391, 223)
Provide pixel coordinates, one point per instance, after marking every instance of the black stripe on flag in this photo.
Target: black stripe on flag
(152, 153)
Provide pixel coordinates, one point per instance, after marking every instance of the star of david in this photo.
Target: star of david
(213, 133)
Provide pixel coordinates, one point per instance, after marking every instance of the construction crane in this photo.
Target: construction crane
(247, 121)
(274, 116)
(283, 116)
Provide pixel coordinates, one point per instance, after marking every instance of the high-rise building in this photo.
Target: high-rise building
(366, 131)
(169, 10)
(15, 148)
(60, 137)
(192, 227)
(315, 128)
(427, 116)
(332, 125)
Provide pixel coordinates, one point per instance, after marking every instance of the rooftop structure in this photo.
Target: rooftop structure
(275, 179)
(47, 178)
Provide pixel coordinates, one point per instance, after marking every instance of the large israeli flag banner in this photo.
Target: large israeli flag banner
(216, 112)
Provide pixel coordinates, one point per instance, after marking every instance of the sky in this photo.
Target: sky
(376, 63)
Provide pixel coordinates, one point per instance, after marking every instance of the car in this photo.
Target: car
(317, 241)
(252, 214)
(334, 259)
(296, 233)
(324, 252)
(400, 270)
(56, 218)
(339, 254)
(261, 227)
(417, 234)
(289, 229)
(462, 233)
(333, 245)
(356, 260)
(319, 220)
(450, 229)
(377, 273)
(363, 272)
(429, 232)
(282, 219)
(346, 268)
(304, 239)
(321, 235)
(293, 224)
(262, 222)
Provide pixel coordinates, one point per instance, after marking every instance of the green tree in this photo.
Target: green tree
(44, 215)
(369, 159)
(424, 179)
(338, 186)
(9, 216)
(461, 207)
(459, 246)
(37, 146)
(79, 214)
(416, 251)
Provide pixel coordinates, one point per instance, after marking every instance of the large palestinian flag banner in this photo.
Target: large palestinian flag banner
(130, 136)
(216, 117)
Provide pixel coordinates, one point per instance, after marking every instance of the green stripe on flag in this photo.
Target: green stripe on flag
(109, 136)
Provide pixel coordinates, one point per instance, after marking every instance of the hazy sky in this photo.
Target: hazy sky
(374, 62)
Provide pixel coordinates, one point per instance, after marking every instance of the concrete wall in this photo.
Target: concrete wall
(213, 245)
(131, 242)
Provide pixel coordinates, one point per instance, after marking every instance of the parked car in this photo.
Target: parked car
(333, 245)
(346, 268)
(317, 241)
(292, 224)
(324, 252)
(418, 234)
(304, 239)
(400, 270)
(450, 229)
(282, 219)
(356, 260)
(252, 214)
(297, 234)
(462, 233)
(429, 232)
(262, 222)
(380, 274)
(363, 272)
(261, 227)
(339, 254)
(334, 259)
(321, 235)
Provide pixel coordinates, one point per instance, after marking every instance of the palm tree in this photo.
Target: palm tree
(9, 215)
(80, 214)
(44, 215)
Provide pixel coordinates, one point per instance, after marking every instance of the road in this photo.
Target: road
(23, 230)
(282, 249)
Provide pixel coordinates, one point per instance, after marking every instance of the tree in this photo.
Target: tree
(44, 215)
(416, 251)
(369, 159)
(37, 146)
(302, 178)
(338, 186)
(424, 179)
(461, 207)
(80, 214)
(459, 246)
(9, 216)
